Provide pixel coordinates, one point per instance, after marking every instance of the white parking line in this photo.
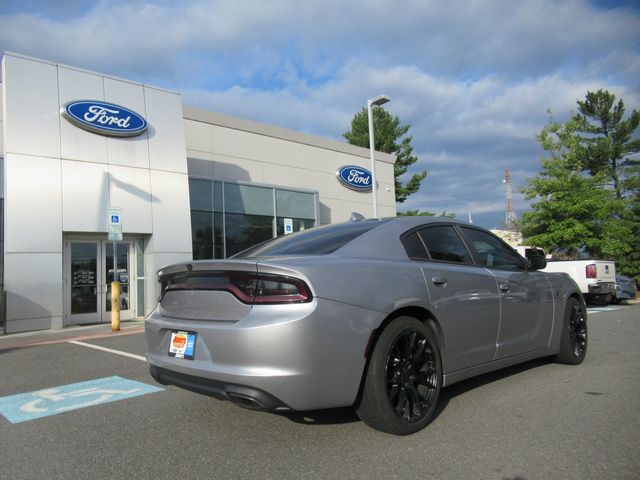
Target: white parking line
(604, 309)
(110, 350)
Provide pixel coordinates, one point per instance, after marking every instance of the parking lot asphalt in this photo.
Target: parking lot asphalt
(539, 420)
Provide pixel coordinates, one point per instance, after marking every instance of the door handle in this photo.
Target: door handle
(504, 287)
(439, 281)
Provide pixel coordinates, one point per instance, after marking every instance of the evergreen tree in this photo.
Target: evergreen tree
(388, 133)
(586, 198)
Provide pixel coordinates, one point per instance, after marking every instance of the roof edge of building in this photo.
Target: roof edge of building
(237, 123)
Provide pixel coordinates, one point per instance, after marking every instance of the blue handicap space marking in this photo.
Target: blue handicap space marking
(51, 401)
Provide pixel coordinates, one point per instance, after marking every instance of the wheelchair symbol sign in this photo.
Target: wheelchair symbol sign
(51, 401)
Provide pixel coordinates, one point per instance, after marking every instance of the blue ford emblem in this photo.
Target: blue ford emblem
(356, 178)
(104, 118)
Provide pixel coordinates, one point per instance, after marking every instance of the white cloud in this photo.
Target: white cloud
(474, 79)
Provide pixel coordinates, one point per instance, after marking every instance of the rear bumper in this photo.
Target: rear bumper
(304, 356)
(602, 288)
(239, 394)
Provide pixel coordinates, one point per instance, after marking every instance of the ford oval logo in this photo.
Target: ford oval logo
(356, 178)
(104, 118)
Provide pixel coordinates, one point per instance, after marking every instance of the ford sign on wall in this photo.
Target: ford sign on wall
(104, 118)
(355, 178)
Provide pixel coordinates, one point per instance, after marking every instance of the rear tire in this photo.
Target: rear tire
(404, 379)
(573, 343)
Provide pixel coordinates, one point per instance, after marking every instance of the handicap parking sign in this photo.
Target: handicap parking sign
(51, 401)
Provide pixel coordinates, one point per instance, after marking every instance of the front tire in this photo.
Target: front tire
(404, 379)
(573, 343)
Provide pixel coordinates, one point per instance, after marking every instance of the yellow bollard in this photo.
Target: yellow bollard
(115, 306)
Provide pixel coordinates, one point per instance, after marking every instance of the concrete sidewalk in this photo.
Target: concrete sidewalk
(75, 332)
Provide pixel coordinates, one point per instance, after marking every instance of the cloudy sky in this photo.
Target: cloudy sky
(474, 79)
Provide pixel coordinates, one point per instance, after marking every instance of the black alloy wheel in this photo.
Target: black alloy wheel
(403, 381)
(578, 331)
(573, 343)
(411, 373)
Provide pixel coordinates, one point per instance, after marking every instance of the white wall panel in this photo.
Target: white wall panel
(127, 151)
(200, 164)
(239, 169)
(76, 143)
(85, 196)
(198, 136)
(33, 204)
(31, 107)
(33, 284)
(131, 190)
(166, 131)
(171, 213)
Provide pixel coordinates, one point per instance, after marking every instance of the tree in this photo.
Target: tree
(388, 132)
(572, 212)
(605, 138)
(418, 213)
(586, 198)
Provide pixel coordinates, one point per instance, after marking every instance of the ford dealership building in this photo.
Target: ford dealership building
(94, 166)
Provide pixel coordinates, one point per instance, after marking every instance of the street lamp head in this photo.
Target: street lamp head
(379, 100)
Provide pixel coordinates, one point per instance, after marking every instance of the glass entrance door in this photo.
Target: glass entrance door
(84, 276)
(89, 271)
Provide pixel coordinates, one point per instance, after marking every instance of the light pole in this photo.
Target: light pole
(379, 100)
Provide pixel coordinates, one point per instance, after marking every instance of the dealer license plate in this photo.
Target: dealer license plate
(182, 344)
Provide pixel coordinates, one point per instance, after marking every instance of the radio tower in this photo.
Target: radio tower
(511, 222)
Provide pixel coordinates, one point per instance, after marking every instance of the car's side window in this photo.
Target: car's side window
(491, 252)
(444, 243)
(414, 247)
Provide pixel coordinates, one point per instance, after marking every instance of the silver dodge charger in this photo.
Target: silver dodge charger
(378, 314)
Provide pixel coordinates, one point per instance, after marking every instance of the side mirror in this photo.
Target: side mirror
(537, 262)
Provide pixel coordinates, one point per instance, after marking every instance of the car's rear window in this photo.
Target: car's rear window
(316, 241)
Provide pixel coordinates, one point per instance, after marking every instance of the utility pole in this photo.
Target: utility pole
(511, 222)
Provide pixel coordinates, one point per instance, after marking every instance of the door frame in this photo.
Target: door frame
(102, 316)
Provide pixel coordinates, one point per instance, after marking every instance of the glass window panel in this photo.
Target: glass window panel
(299, 225)
(244, 231)
(491, 251)
(414, 247)
(218, 238)
(217, 196)
(202, 251)
(84, 280)
(84, 300)
(140, 295)
(122, 255)
(295, 204)
(201, 194)
(444, 243)
(201, 227)
(248, 199)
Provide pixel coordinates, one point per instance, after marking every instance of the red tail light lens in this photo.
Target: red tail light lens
(249, 288)
(591, 271)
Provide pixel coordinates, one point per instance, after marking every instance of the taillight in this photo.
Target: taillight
(249, 288)
(591, 271)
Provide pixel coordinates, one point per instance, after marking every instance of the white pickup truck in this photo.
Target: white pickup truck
(596, 278)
